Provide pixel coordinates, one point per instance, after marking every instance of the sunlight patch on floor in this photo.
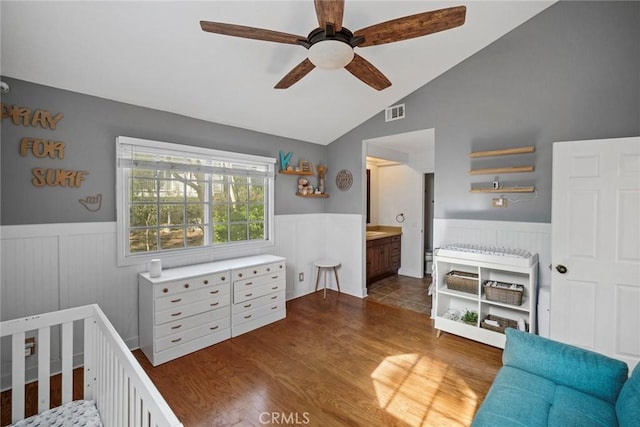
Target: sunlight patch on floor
(420, 391)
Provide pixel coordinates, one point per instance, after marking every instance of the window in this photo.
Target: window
(177, 200)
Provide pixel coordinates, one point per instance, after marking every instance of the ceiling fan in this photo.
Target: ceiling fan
(332, 46)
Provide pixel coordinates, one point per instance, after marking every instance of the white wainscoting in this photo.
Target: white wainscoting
(531, 236)
(48, 267)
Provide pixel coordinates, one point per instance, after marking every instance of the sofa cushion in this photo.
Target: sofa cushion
(574, 408)
(563, 364)
(516, 398)
(628, 404)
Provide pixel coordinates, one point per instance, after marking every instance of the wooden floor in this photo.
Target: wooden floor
(342, 361)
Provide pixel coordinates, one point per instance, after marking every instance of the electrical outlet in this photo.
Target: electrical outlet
(300, 277)
(29, 346)
(499, 203)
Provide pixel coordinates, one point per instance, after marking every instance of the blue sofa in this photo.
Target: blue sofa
(548, 383)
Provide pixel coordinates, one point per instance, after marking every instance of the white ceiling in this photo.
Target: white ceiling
(154, 54)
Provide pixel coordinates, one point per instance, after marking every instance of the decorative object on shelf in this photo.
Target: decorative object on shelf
(322, 171)
(344, 180)
(462, 281)
(305, 167)
(284, 160)
(304, 187)
(499, 324)
(508, 293)
(470, 317)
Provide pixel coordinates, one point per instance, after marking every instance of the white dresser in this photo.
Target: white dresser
(189, 308)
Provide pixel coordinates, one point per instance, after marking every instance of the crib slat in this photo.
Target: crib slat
(67, 362)
(89, 363)
(44, 368)
(17, 377)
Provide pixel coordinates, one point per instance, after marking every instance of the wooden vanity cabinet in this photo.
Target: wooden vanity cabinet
(383, 257)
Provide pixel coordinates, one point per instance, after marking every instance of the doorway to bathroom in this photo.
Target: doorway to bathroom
(396, 193)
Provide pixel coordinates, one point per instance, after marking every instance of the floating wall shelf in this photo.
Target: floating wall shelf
(503, 152)
(286, 172)
(509, 169)
(322, 196)
(530, 189)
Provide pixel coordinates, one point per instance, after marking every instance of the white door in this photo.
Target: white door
(595, 248)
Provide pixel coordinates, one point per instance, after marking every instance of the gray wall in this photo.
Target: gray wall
(89, 128)
(570, 73)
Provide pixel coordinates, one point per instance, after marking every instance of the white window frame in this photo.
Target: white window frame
(191, 255)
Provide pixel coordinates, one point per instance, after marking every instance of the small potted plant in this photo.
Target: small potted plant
(470, 317)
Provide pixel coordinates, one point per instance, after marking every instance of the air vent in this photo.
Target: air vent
(395, 112)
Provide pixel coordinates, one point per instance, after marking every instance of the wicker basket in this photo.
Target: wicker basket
(462, 281)
(503, 322)
(504, 292)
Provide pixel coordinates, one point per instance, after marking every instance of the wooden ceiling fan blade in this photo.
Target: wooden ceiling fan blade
(365, 71)
(251, 33)
(412, 26)
(298, 72)
(330, 11)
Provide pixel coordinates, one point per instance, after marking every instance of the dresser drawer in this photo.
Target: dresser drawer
(258, 270)
(191, 334)
(186, 298)
(258, 281)
(264, 310)
(191, 283)
(246, 294)
(180, 325)
(181, 312)
(258, 302)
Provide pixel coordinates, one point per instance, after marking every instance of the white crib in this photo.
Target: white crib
(123, 393)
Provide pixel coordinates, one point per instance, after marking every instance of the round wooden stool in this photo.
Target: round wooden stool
(327, 264)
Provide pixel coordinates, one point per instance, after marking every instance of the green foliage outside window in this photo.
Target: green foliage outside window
(168, 210)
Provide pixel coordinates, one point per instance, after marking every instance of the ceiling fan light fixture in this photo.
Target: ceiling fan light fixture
(330, 54)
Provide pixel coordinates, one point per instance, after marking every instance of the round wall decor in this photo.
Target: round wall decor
(344, 179)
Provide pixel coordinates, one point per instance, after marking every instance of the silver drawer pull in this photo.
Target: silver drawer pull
(176, 327)
(176, 300)
(213, 328)
(248, 284)
(214, 304)
(177, 340)
(247, 317)
(176, 314)
(247, 305)
(248, 295)
(215, 292)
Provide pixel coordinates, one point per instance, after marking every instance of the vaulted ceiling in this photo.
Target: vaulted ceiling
(154, 54)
